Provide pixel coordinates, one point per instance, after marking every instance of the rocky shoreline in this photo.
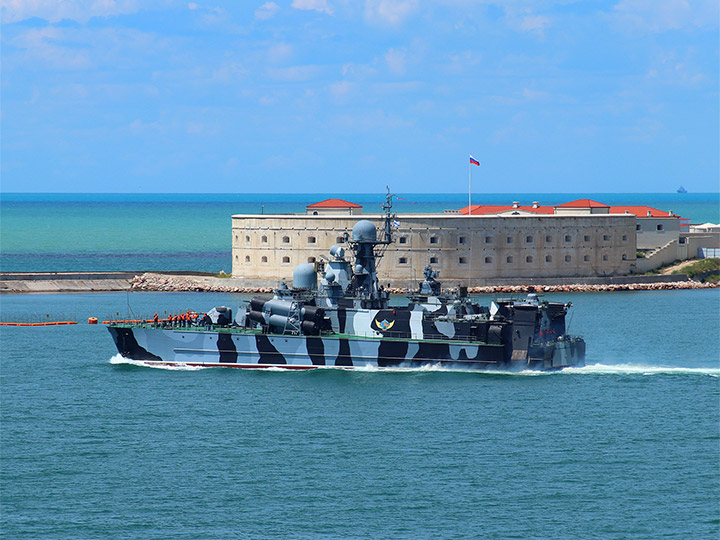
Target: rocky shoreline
(168, 283)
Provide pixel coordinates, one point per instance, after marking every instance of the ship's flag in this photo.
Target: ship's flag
(474, 161)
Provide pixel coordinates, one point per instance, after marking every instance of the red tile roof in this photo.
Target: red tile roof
(640, 211)
(333, 203)
(582, 203)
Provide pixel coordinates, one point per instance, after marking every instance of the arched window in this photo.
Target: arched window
(311, 239)
(264, 259)
(568, 238)
(433, 260)
(264, 239)
(402, 260)
(548, 239)
(462, 260)
(528, 259)
(311, 259)
(605, 257)
(247, 258)
(660, 227)
(488, 260)
(247, 239)
(509, 259)
(286, 260)
(548, 258)
(568, 258)
(286, 239)
(529, 239)
(586, 258)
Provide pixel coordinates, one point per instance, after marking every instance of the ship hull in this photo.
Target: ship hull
(241, 349)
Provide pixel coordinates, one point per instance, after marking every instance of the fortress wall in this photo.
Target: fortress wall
(463, 248)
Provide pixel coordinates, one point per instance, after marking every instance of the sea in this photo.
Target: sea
(93, 446)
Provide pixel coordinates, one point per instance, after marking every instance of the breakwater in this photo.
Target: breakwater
(168, 283)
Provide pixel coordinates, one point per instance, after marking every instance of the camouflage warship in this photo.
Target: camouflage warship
(337, 315)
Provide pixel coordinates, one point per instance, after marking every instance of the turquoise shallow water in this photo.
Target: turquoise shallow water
(66, 232)
(626, 448)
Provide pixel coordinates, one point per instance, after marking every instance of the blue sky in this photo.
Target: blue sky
(348, 96)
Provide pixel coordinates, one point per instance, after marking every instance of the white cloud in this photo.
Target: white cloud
(280, 52)
(663, 15)
(56, 10)
(392, 12)
(527, 21)
(192, 6)
(320, 6)
(396, 61)
(267, 11)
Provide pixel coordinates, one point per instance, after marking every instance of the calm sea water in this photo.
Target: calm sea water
(626, 448)
(66, 232)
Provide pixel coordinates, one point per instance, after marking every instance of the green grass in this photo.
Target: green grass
(703, 269)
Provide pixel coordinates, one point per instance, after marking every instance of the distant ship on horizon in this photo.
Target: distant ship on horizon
(681, 189)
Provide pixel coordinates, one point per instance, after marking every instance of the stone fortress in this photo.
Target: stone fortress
(476, 245)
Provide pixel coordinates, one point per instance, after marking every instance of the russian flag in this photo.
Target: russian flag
(474, 161)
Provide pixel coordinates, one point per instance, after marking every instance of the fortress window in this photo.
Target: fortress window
(548, 258)
(236, 237)
(624, 257)
(548, 239)
(433, 240)
(586, 238)
(247, 239)
(339, 239)
(660, 227)
(529, 239)
(247, 258)
(264, 239)
(286, 260)
(606, 237)
(568, 238)
(311, 239)
(638, 227)
(568, 258)
(286, 239)
(528, 258)
(264, 259)
(509, 240)
(462, 260)
(605, 257)
(509, 260)
(403, 239)
(311, 259)
(488, 239)
(586, 258)
(461, 240)
(488, 260)
(433, 260)
(402, 260)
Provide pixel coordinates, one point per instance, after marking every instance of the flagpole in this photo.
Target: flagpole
(469, 188)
